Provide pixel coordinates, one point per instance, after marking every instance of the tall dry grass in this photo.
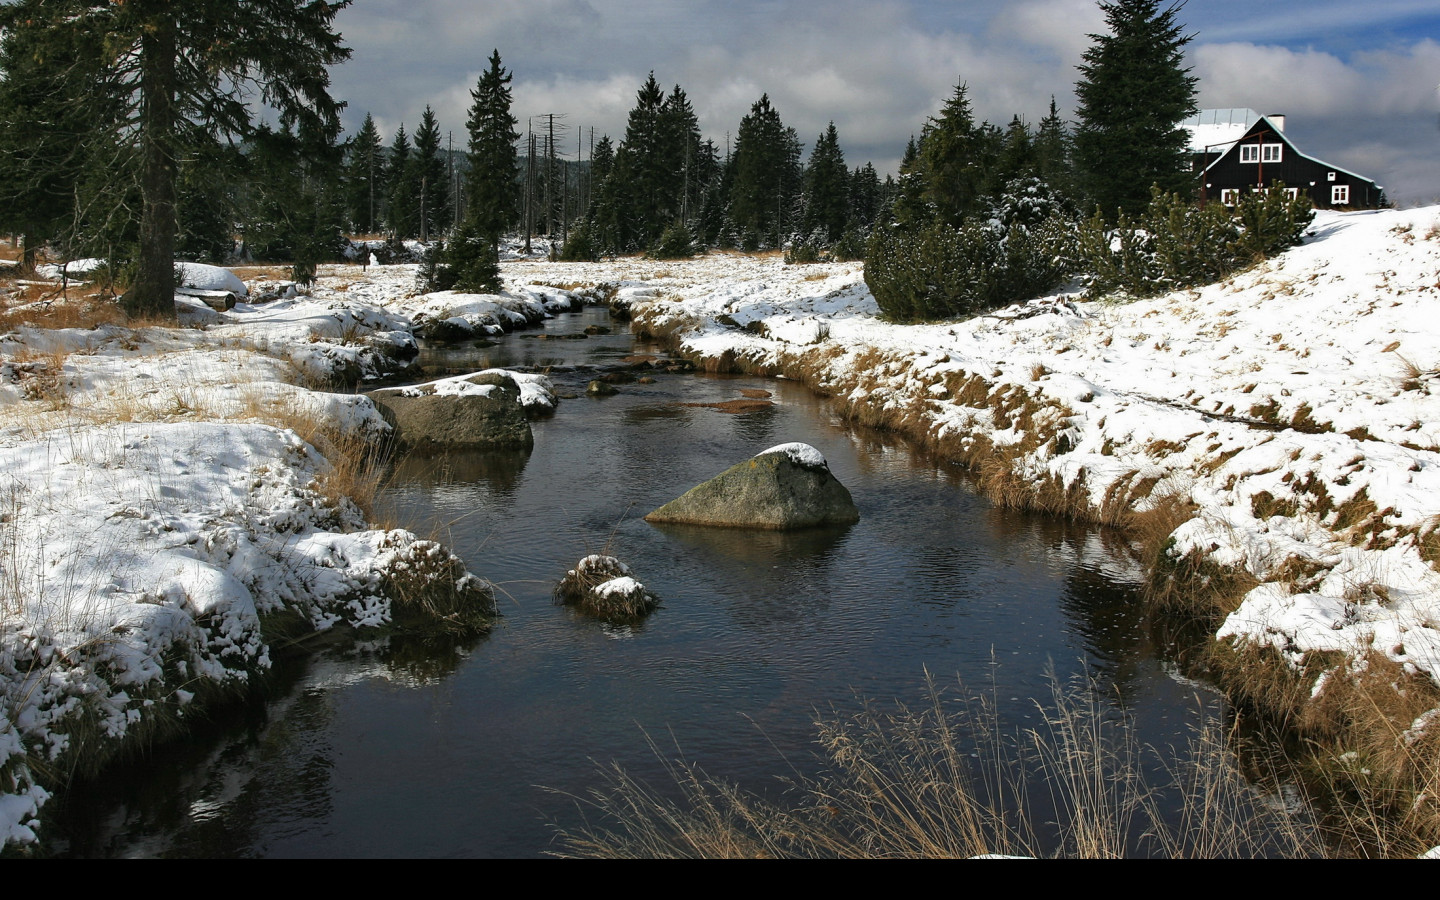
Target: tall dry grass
(942, 780)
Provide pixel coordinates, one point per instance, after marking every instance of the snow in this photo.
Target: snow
(536, 391)
(800, 454)
(202, 277)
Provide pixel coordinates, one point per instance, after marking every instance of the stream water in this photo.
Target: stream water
(395, 749)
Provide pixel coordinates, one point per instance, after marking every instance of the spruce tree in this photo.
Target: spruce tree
(47, 105)
(680, 136)
(365, 178)
(470, 260)
(827, 195)
(952, 157)
(910, 208)
(403, 214)
(766, 175)
(430, 178)
(185, 70)
(1053, 163)
(865, 196)
(493, 188)
(650, 162)
(1134, 93)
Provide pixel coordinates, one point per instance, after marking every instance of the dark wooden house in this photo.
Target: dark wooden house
(1236, 151)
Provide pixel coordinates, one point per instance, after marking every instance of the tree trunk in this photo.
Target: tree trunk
(153, 291)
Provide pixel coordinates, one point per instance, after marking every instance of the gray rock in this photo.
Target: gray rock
(483, 411)
(785, 488)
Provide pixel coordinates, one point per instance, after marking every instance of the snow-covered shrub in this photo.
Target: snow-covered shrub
(466, 262)
(581, 246)
(1178, 243)
(1020, 251)
(1271, 221)
(675, 243)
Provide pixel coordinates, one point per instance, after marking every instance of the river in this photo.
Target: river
(435, 750)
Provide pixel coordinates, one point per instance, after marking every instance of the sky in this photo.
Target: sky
(1356, 81)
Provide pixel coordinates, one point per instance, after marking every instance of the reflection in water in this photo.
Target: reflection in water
(495, 471)
(409, 750)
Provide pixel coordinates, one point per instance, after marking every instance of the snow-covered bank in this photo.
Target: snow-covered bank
(170, 494)
(1292, 405)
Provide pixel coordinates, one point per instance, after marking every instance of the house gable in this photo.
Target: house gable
(1265, 156)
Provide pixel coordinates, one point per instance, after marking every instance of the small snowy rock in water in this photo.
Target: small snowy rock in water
(604, 586)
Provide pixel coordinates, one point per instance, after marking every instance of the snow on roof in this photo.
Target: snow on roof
(1218, 129)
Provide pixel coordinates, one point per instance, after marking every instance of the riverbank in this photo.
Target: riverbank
(181, 504)
(1274, 439)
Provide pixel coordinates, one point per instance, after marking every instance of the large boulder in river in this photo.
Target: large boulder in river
(473, 411)
(785, 488)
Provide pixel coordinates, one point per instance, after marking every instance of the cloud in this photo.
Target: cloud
(1374, 112)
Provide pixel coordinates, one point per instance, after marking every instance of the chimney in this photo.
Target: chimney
(1278, 120)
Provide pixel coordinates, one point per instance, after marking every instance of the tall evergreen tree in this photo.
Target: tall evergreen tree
(680, 130)
(430, 178)
(648, 163)
(1053, 163)
(403, 212)
(1134, 93)
(766, 174)
(827, 189)
(189, 69)
(493, 188)
(365, 178)
(910, 207)
(48, 105)
(1016, 158)
(952, 156)
(865, 196)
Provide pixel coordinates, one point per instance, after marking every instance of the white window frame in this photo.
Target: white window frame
(1329, 176)
(1229, 196)
(1292, 193)
(1271, 153)
(1340, 195)
(1249, 153)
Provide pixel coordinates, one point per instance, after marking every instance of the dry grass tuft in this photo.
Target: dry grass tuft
(942, 781)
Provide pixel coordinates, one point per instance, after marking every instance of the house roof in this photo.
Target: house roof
(1218, 129)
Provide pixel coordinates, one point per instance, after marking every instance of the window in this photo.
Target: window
(1340, 195)
(1330, 176)
(1292, 193)
(1257, 153)
(1229, 196)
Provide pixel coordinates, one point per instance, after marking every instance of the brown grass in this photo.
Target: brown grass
(941, 780)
